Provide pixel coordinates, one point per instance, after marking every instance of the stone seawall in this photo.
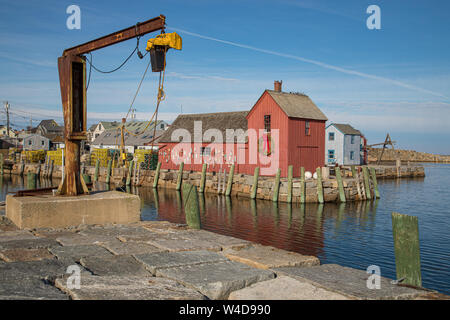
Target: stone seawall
(242, 184)
(407, 155)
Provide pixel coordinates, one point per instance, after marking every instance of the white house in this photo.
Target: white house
(342, 144)
(36, 142)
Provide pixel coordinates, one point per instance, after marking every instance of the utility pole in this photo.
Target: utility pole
(7, 117)
(31, 123)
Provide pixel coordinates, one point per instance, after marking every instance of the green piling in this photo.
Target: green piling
(52, 165)
(366, 183)
(180, 177)
(230, 180)
(319, 185)
(203, 178)
(31, 180)
(340, 185)
(108, 172)
(353, 172)
(405, 230)
(1, 164)
(302, 185)
(191, 207)
(130, 173)
(290, 177)
(87, 178)
(276, 186)
(97, 168)
(374, 181)
(156, 178)
(255, 183)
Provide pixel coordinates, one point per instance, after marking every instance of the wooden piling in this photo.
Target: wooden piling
(191, 206)
(31, 180)
(52, 165)
(97, 168)
(130, 173)
(405, 230)
(203, 178)
(276, 186)
(255, 183)
(319, 186)
(353, 172)
(340, 185)
(230, 181)
(374, 182)
(302, 185)
(180, 177)
(86, 178)
(290, 177)
(108, 172)
(156, 177)
(366, 183)
(1, 164)
(38, 171)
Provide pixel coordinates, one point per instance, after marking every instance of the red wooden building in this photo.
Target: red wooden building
(281, 129)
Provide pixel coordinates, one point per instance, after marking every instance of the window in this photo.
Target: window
(331, 136)
(352, 155)
(307, 131)
(352, 141)
(42, 142)
(331, 158)
(267, 123)
(205, 151)
(29, 142)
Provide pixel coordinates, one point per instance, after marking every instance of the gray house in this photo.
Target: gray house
(342, 144)
(36, 142)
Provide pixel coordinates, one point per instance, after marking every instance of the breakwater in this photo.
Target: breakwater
(355, 185)
(407, 155)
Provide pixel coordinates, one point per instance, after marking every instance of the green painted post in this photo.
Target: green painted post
(374, 181)
(290, 177)
(191, 207)
(156, 178)
(366, 183)
(87, 178)
(302, 185)
(203, 178)
(276, 186)
(319, 185)
(1, 163)
(340, 185)
(405, 230)
(180, 177)
(97, 168)
(353, 172)
(255, 184)
(130, 173)
(31, 180)
(230, 180)
(108, 172)
(253, 207)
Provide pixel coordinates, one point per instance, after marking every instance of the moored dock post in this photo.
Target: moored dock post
(156, 177)
(191, 206)
(366, 183)
(340, 185)
(97, 168)
(353, 171)
(375, 183)
(230, 181)
(319, 185)
(302, 185)
(130, 173)
(276, 186)
(405, 230)
(1, 164)
(31, 180)
(86, 178)
(203, 178)
(290, 177)
(52, 165)
(255, 184)
(180, 177)
(108, 172)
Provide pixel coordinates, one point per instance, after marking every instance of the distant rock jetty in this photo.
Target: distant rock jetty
(407, 155)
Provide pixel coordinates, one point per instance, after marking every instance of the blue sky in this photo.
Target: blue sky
(394, 80)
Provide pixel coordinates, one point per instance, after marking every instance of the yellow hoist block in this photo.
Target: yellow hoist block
(172, 40)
